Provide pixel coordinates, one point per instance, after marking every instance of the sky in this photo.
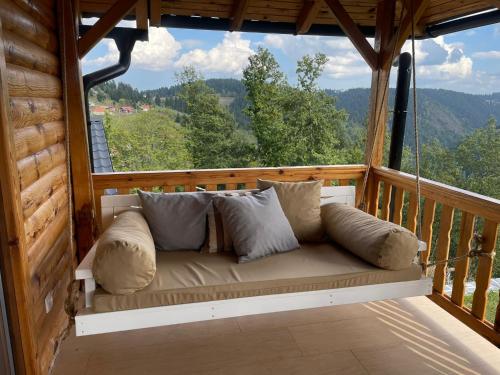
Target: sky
(467, 61)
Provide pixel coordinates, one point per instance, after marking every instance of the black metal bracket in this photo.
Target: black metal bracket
(125, 39)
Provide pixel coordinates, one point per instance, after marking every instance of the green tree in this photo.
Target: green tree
(212, 136)
(146, 141)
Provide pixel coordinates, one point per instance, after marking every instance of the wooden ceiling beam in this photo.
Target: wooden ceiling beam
(141, 14)
(495, 3)
(353, 33)
(308, 14)
(104, 25)
(399, 38)
(238, 14)
(155, 12)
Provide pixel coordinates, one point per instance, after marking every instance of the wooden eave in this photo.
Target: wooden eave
(294, 12)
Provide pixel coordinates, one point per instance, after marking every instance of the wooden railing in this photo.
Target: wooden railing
(222, 179)
(442, 206)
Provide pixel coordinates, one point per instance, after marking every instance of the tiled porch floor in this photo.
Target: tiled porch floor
(407, 336)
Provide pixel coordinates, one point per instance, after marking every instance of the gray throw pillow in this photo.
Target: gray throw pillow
(177, 220)
(256, 224)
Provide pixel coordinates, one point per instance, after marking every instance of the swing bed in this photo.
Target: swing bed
(223, 289)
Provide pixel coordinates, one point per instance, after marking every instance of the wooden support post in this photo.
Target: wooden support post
(104, 25)
(238, 14)
(374, 153)
(307, 15)
(141, 14)
(15, 272)
(76, 123)
(353, 33)
(155, 12)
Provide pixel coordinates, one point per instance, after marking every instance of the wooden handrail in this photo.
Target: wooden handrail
(224, 176)
(476, 204)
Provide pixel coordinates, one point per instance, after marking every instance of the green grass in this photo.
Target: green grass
(491, 307)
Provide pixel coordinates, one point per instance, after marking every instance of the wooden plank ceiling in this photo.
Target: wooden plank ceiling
(303, 13)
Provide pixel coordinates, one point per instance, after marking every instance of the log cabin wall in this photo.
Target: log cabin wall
(34, 123)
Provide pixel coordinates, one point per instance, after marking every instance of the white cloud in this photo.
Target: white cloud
(156, 54)
(487, 55)
(229, 56)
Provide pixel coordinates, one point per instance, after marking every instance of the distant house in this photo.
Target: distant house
(110, 108)
(127, 109)
(98, 110)
(145, 107)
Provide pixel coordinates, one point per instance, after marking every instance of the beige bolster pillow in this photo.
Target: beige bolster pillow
(381, 243)
(125, 259)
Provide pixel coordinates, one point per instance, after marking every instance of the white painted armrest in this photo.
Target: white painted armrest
(84, 269)
(84, 272)
(422, 246)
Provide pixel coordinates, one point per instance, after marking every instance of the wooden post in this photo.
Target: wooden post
(13, 244)
(77, 130)
(374, 151)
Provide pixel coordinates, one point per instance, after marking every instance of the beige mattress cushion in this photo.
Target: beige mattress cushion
(125, 258)
(189, 276)
(379, 242)
(301, 203)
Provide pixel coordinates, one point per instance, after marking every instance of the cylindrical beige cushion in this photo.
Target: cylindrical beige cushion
(381, 243)
(125, 259)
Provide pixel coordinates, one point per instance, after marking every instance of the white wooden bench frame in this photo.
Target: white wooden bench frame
(87, 322)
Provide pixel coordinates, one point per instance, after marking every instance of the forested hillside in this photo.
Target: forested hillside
(443, 114)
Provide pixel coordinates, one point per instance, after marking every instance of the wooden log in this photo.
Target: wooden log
(14, 265)
(38, 11)
(37, 193)
(386, 201)
(427, 222)
(399, 196)
(411, 221)
(443, 247)
(41, 248)
(26, 82)
(20, 51)
(42, 277)
(34, 139)
(462, 266)
(16, 20)
(37, 165)
(484, 268)
(45, 214)
(35, 111)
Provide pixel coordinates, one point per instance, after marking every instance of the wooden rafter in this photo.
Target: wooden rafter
(307, 15)
(155, 12)
(353, 33)
(238, 14)
(105, 24)
(399, 38)
(495, 3)
(141, 14)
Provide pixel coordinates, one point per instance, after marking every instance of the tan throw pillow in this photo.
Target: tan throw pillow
(381, 243)
(301, 203)
(125, 259)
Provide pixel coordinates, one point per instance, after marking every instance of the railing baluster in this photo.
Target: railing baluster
(398, 205)
(411, 221)
(484, 268)
(251, 185)
(443, 247)
(359, 191)
(497, 315)
(327, 182)
(373, 194)
(462, 265)
(427, 222)
(344, 182)
(123, 191)
(98, 209)
(168, 188)
(386, 201)
(231, 186)
(211, 187)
